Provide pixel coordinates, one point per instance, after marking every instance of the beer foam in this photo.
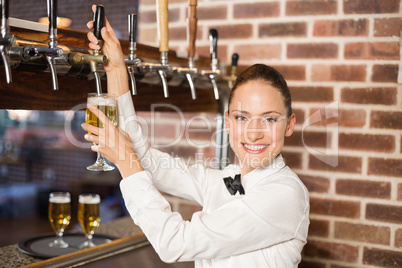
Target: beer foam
(101, 101)
(89, 199)
(60, 199)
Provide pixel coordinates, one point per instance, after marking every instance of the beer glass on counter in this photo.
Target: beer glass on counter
(88, 216)
(107, 104)
(59, 216)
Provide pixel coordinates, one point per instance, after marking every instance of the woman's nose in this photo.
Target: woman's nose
(255, 130)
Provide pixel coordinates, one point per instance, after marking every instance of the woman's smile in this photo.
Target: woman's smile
(254, 148)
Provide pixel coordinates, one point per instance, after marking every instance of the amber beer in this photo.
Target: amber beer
(88, 212)
(105, 102)
(106, 105)
(59, 212)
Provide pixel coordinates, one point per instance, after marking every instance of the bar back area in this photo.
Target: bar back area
(342, 60)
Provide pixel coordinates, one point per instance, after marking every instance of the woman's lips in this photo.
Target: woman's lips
(254, 148)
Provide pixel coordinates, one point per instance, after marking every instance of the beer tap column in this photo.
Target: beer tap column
(6, 40)
(163, 30)
(132, 62)
(191, 70)
(214, 72)
(54, 51)
(97, 57)
(99, 23)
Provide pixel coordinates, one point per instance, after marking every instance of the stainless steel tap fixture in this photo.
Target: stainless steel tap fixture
(36, 50)
(54, 51)
(191, 71)
(163, 30)
(214, 72)
(6, 40)
(96, 58)
(133, 63)
(77, 58)
(99, 23)
(50, 57)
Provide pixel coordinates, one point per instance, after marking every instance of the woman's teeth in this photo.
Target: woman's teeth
(255, 147)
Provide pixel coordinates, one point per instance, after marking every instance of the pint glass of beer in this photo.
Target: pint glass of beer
(88, 216)
(107, 104)
(59, 216)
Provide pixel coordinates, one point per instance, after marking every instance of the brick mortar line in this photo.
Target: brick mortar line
(359, 244)
(354, 198)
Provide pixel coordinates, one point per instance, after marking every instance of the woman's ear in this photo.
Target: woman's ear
(227, 123)
(291, 125)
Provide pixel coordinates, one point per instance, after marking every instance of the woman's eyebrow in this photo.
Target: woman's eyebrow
(265, 113)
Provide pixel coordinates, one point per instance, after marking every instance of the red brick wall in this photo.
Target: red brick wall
(339, 57)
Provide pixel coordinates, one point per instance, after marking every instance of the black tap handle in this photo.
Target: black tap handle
(99, 21)
(4, 9)
(52, 13)
(213, 38)
(132, 27)
(235, 59)
(4, 17)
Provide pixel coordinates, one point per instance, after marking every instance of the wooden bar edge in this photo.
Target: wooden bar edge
(87, 255)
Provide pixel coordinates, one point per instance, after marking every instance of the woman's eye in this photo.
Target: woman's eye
(270, 120)
(240, 118)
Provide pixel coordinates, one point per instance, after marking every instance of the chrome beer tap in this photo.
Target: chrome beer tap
(97, 57)
(191, 70)
(163, 68)
(132, 62)
(214, 72)
(51, 52)
(6, 40)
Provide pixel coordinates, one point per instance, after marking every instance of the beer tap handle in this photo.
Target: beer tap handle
(4, 18)
(99, 23)
(6, 39)
(163, 29)
(213, 38)
(235, 60)
(191, 31)
(132, 26)
(52, 15)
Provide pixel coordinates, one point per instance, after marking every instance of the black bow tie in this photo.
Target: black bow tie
(234, 185)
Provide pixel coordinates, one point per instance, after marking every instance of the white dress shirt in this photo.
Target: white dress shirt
(266, 227)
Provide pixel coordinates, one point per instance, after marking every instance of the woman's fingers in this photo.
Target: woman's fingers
(90, 24)
(90, 128)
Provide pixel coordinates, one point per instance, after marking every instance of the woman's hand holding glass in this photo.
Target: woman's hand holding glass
(107, 103)
(113, 143)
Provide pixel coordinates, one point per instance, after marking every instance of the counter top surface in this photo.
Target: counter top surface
(10, 256)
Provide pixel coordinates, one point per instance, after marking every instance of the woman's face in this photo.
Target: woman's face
(257, 124)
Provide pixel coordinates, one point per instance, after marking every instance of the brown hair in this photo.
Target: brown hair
(269, 75)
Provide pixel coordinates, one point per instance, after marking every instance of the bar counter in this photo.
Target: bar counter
(123, 229)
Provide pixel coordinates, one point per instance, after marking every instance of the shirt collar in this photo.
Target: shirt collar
(256, 175)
